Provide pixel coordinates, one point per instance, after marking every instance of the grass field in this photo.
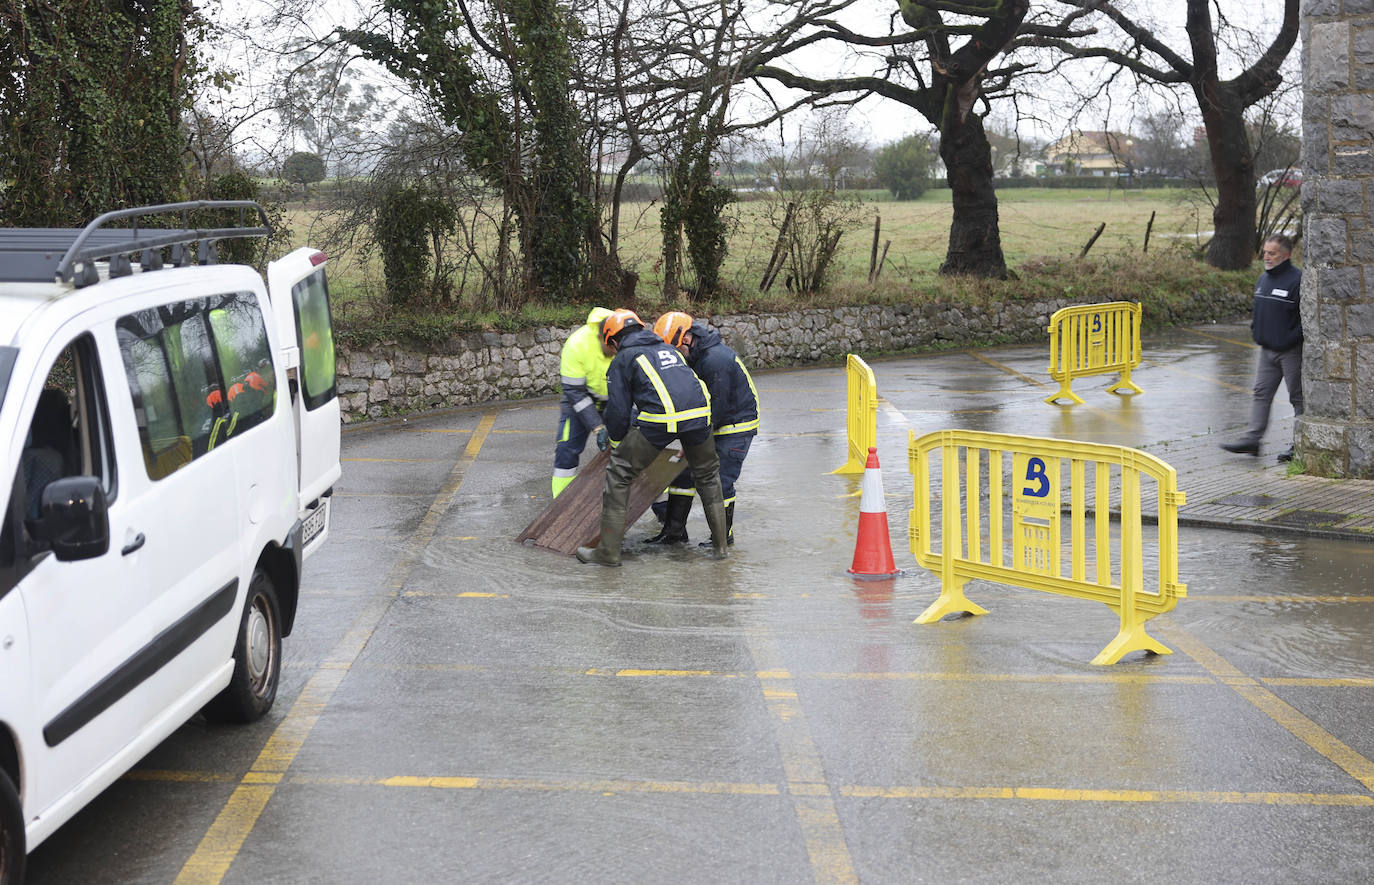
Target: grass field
(1040, 228)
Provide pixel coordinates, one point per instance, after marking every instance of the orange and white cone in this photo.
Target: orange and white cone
(873, 550)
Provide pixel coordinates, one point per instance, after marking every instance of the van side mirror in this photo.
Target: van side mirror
(75, 520)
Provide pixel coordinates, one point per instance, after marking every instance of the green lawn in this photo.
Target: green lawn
(1039, 227)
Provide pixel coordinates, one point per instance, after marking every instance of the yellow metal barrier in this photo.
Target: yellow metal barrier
(1020, 481)
(1090, 339)
(862, 419)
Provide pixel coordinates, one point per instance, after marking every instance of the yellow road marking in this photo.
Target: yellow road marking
(468, 594)
(1199, 797)
(807, 784)
(217, 849)
(1005, 368)
(612, 787)
(163, 776)
(1209, 379)
(632, 672)
(1303, 728)
(1331, 682)
(1236, 341)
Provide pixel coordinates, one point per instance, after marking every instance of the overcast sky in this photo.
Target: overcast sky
(878, 121)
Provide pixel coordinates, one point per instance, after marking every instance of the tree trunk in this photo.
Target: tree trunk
(975, 241)
(1233, 217)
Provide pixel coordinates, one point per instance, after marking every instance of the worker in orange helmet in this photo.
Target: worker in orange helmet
(649, 376)
(734, 419)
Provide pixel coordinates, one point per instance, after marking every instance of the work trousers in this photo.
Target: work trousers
(636, 452)
(731, 450)
(1272, 367)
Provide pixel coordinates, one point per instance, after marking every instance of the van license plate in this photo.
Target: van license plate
(315, 523)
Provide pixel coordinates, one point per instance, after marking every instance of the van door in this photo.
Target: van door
(90, 639)
(305, 335)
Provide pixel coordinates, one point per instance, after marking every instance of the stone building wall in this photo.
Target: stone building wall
(389, 379)
(1336, 434)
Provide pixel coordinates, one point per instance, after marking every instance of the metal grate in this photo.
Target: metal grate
(1309, 518)
(1246, 501)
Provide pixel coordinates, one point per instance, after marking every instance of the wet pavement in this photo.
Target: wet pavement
(458, 707)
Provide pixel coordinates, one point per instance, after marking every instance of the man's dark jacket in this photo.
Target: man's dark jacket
(1277, 321)
(734, 400)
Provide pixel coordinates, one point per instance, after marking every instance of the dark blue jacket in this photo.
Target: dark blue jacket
(648, 375)
(734, 398)
(1277, 320)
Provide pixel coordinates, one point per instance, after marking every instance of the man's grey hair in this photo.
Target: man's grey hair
(1282, 241)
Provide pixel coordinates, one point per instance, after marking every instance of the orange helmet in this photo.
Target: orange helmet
(672, 326)
(618, 322)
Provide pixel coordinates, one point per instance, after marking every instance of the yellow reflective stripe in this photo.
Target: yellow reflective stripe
(743, 426)
(750, 378)
(738, 428)
(567, 431)
(671, 415)
(671, 420)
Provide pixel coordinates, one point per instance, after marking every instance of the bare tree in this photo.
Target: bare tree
(1137, 46)
(938, 58)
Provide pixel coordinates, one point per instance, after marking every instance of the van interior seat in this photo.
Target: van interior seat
(51, 450)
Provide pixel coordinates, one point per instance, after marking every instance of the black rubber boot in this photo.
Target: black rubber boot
(674, 529)
(729, 527)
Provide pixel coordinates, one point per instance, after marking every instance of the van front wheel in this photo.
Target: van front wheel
(257, 657)
(12, 851)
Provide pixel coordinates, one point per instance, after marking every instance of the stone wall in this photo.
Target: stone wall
(387, 379)
(1336, 434)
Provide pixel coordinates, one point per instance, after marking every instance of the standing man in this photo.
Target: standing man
(1277, 328)
(582, 372)
(648, 375)
(734, 418)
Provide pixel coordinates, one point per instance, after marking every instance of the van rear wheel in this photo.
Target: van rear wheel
(257, 657)
(12, 851)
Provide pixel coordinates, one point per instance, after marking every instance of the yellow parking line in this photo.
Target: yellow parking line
(1236, 341)
(622, 786)
(1044, 794)
(1303, 728)
(807, 785)
(1005, 368)
(221, 844)
(1324, 682)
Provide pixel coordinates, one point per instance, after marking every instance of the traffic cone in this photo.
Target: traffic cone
(873, 550)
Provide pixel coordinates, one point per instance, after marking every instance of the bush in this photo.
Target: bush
(411, 222)
(303, 168)
(904, 167)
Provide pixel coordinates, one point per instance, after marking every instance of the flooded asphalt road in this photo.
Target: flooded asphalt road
(460, 708)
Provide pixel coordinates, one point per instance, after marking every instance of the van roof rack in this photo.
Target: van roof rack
(68, 255)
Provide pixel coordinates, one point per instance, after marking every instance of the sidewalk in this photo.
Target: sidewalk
(1230, 490)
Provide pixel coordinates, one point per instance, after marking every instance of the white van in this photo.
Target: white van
(169, 441)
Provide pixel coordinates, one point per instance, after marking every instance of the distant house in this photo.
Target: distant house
(1091, 153)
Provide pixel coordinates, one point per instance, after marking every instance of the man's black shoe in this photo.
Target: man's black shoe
(1286, 456)
(1243, 447)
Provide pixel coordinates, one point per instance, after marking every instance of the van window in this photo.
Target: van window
(314, 327)
(68, 435)
(200, 372)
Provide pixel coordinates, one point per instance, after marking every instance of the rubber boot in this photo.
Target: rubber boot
(729, 526)
(674, 529)
(607, 552)
(720, 529)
